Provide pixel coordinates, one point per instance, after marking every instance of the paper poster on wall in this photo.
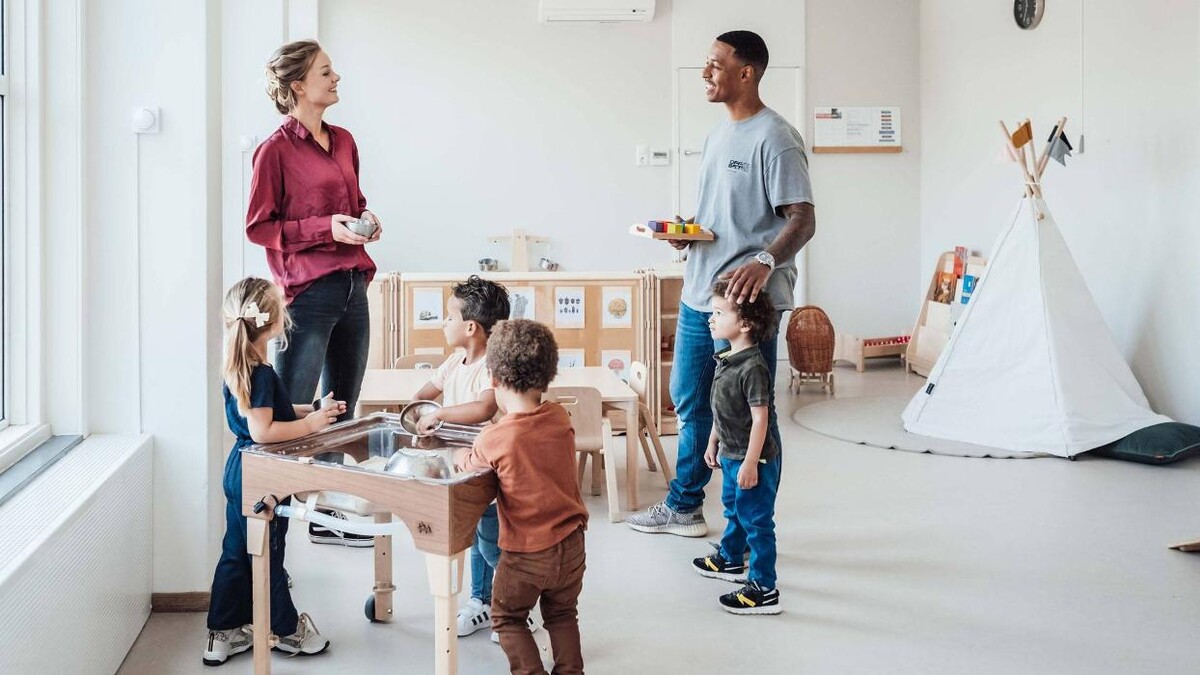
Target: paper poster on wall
(568, 307)
(856, 127)
(617, 360)
(617, 303)
(521, 303)
(427, 308)
(570, 358)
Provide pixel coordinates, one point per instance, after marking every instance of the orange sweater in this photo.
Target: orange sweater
(533, 455)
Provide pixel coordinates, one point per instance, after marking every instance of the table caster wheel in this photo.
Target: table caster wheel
(369, 610)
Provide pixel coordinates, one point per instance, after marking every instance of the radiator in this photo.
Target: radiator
(75, 560)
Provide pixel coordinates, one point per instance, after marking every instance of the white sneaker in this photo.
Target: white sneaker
(306, 641)
(223, 644)
(473, 616)
(533, 628)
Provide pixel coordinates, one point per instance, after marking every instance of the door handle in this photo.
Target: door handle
(689, 153)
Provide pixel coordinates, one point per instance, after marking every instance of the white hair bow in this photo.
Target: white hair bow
(251, 312)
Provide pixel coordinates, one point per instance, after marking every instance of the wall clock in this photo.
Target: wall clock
(1028, 13)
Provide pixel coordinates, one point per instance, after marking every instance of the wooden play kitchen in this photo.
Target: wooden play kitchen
(440, 513)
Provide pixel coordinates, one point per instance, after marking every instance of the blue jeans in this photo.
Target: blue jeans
(751, 519)
(231, 603)
(485, 554)
(331, 332)
(691, 389)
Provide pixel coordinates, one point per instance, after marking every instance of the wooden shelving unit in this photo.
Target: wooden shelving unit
(650, 338)
(662, 289)
(593, 338)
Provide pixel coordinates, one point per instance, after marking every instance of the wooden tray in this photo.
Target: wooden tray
(639, 230)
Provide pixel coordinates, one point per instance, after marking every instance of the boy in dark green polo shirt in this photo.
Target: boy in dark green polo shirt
(748, 456)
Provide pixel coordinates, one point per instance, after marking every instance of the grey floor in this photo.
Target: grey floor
(890, 562)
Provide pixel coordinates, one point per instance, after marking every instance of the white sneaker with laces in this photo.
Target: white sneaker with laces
(306, 641)
(473, 616)
(223, 644)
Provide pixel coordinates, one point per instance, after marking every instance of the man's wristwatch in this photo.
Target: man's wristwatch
(766, 259)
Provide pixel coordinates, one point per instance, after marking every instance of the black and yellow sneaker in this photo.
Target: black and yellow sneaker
(752, 599)
(715, 567)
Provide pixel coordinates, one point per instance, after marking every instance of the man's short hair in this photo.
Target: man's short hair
(760, 315)
(484, 302)
(522, 355)
(749, 48)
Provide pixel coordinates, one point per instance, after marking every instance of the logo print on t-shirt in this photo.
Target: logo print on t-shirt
(739, 166)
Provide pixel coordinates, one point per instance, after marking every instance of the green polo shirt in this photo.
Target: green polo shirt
(742, 381)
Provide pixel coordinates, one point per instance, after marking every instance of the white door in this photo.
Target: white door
(782, 89)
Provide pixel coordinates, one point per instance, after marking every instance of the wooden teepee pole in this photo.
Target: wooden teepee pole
(1020, 155)
(1033, 160)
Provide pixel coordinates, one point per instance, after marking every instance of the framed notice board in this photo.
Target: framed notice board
(861, 129)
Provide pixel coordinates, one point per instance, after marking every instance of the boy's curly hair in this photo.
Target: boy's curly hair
(484, 302)
(522, 355)
(760, 315)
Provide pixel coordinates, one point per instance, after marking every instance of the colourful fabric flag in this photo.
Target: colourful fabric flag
(1022, 135)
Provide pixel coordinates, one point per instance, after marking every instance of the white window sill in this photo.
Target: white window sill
(17, 440)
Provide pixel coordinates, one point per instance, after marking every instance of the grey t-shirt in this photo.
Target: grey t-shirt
(741, 382)
(749, 170)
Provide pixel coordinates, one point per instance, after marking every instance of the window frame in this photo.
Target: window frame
(24, 427)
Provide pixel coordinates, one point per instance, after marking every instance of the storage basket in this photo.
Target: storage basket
(810, 341)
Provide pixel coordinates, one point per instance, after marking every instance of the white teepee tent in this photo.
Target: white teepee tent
(1031, 366)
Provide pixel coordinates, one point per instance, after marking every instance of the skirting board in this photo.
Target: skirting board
(196, 601)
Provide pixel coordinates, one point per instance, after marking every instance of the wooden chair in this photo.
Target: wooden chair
(593, 437)
(419, 361)
(646, 431)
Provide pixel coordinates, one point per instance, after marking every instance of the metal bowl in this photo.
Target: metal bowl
(419, 464)
(413, 412)
(488, 264)
(363, 226)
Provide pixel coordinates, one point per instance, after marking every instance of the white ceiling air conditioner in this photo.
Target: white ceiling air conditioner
(595, 10)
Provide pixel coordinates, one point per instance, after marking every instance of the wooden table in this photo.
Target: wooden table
(441, 515)
(390, 389)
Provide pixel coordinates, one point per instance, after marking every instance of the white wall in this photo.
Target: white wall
(151, 216)
(863, 262)
(1127, 207)
(472, 118)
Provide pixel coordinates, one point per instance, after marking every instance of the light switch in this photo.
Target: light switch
(643, 156)
(660, 157)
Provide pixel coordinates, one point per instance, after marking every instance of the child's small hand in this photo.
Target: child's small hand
(329, 403)
(321, 418)
(710, 457)
(427, 424)
(748, 475)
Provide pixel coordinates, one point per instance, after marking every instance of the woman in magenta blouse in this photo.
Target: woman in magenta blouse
(303, 192)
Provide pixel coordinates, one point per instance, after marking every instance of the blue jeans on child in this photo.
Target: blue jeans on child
(751, 519)
(230, 605)
(485, 554)
(691, 389)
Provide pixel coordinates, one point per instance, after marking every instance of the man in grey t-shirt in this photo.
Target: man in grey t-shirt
(756, 197)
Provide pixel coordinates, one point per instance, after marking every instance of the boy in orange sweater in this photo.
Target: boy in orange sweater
(542, 516)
